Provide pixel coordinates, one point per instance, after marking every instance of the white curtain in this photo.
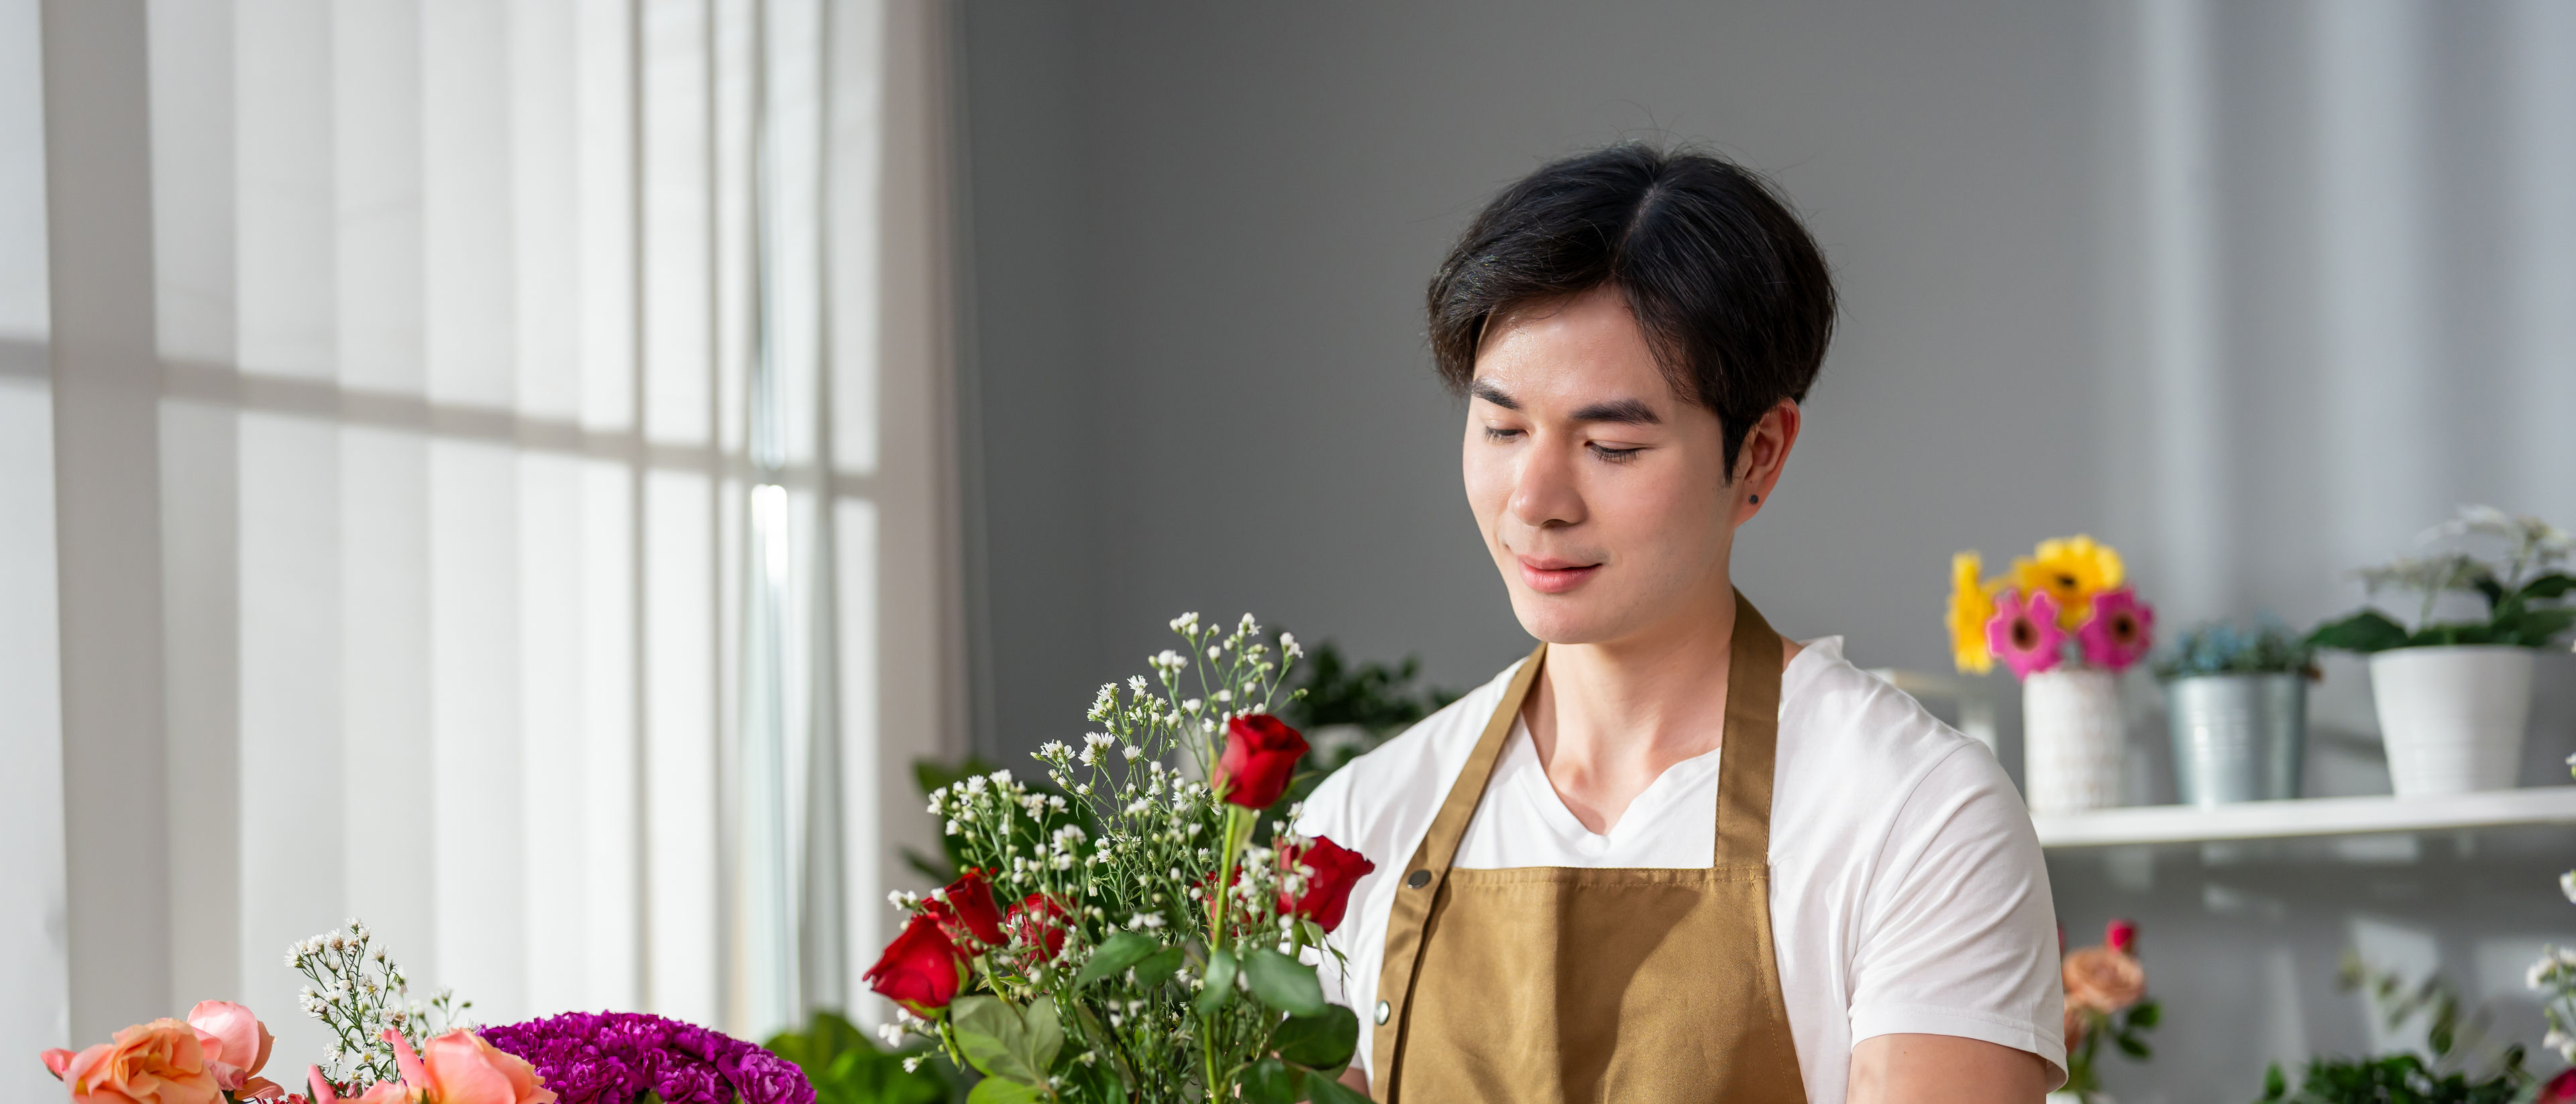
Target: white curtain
(543, 487)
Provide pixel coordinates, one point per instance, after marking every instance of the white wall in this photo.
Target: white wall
(2252, 291)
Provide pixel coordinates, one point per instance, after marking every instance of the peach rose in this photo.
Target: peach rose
(152, 1063)
(2103, 980)
(2074, 1027)
(236, 1046)
(461, 1069)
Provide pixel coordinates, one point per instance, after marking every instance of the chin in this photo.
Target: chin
(1575, 618)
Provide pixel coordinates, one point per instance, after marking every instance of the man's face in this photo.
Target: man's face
(1601, 493)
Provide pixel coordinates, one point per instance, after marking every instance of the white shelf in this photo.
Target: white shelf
(2307, 817)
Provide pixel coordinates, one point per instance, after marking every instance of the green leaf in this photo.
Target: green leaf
(1220, 983)
(1283, 982)
(1325, 1090)
(2367, 631)
(2274, 1085)
(2131, 1046)
(995, 1037)
(2146, 1014)
(1323, 1041)
(1158, 967)
(2536, 627)
(2556, 584)
(995, 1090)
(1271, 1081)
(1046, 1034)
(1115, 955)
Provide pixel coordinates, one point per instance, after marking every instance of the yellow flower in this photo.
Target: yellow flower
(2072, 570)
(1972, 604)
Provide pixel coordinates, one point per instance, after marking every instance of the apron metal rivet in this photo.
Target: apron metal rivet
(1418, 879)
(1382, 1011)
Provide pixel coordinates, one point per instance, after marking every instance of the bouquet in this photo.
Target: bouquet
(389, 1049)
(2106, 998)
(2065, 603)
(1157, 944)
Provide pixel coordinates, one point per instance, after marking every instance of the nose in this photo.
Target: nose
(1544, 494)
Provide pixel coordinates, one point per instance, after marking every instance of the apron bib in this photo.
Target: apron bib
(1559, 985)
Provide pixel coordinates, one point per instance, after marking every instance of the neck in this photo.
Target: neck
(1607, 718)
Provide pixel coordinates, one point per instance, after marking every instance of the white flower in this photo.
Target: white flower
(1214, 651)
(1001, 777)
(1288, 645)
(2567, 884)
(1136, 683)
(1185, 622)
(892, 1033)
(1051, 749)
(913, 1064)
(1131, 751)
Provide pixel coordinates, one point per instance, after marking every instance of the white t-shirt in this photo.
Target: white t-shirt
(1907, 889)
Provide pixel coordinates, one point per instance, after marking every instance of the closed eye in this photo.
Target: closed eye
(1500, 433)
(1615, 454)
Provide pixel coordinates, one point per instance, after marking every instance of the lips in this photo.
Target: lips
(1548, 575)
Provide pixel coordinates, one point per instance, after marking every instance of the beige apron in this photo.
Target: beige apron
(1558, 984)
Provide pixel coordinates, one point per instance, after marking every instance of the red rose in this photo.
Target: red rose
(1328, 890)
(1261, 752)
(1038, 921)
(2122, 936)
(2560, 1089)
(967, 909)
(921, 970)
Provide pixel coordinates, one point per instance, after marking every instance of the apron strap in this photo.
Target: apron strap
(1428, 870)
(1748, 745)
(1751, 743)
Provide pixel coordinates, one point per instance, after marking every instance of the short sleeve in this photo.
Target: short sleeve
(1958, 932)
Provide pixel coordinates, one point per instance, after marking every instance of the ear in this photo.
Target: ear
(1762, 455)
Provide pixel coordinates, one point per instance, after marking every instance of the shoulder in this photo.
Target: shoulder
(1857, 757)
(1382, 802)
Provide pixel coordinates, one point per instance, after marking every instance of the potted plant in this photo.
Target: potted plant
(2066, 625)
(2453, 696)
(2236, 704)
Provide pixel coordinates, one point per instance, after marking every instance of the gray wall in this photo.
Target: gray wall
(2254, 292)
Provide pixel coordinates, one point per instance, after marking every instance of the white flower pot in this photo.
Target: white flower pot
(2072, 742)
(2452, 717)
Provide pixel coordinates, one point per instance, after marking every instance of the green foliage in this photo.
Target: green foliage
(2123, 1030)
(1282, 982)
(1371, 695)
(847, 1068)
(1003, 1040)
(2405, 1078)
(2219, 648)
(2393, 1079)
(2513, 585)
(1325, 1042)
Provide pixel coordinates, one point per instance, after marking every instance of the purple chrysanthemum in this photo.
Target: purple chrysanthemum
(615, 1057)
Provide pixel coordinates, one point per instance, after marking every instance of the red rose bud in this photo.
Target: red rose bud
(1261, 753)
(921, 970)
(2122, 935)
(967, 909)
(1328, 890)
(1038, 921)
(2560, 1090)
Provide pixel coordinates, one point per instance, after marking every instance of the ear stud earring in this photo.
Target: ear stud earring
(1757, 498)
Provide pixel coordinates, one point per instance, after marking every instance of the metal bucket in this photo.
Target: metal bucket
(2237, 737)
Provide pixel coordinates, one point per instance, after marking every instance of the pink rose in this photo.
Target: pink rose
(236, 1046)
(461, 1069)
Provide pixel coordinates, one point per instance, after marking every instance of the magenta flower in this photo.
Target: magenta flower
(2120, 631)
(2023, 632)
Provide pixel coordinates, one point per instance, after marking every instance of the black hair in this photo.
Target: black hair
(1732, 293)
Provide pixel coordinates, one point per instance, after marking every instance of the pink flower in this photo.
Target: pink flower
(2120, 630)
(2024, 633)
(150, 1063)
(236, 1046)
(2122, 935)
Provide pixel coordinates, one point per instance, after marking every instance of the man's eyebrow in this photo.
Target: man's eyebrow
(1621, 411)
(1485, 389)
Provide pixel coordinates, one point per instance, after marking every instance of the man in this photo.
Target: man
(1672, 855)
